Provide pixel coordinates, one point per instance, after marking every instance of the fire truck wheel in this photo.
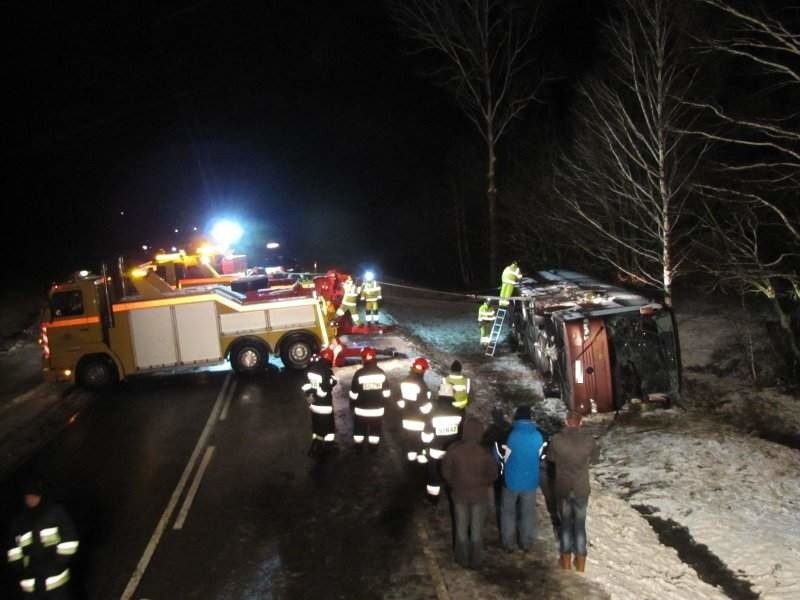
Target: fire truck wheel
(248, 357)
(296, 350)
(96, 372)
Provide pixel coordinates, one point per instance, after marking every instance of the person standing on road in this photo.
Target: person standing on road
(460, 385)
(371, 295)
(441, 430)
(486, 317)
(469, 470)
(42, 542)
(319, 389)
(571, 451)
(414, 404)
(369, 392)
(520, 460)
(350, 293)
(509, 280)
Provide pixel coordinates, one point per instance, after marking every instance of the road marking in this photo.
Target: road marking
(433, 566)
(150, 549)
(225, 407)
(430, 558)
(198, 476)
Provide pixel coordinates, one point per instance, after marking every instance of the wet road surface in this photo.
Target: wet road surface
(224, 458)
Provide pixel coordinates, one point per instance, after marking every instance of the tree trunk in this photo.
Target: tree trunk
(491, 196)
(462, 242)
(786, 328)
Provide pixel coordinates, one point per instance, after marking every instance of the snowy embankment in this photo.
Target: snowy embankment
(684, 504)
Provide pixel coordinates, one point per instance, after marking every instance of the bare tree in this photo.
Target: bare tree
(752, 212)
(741, 255)
(483, 58)
(626, 181)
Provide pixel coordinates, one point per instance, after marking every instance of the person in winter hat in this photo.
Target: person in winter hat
(460, 384)
(469, 470)
(519, 457)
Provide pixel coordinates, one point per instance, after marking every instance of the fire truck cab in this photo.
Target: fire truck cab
(91, 338)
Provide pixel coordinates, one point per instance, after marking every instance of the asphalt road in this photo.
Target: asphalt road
(198, 486)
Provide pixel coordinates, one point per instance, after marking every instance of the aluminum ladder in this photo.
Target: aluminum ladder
(497, 327)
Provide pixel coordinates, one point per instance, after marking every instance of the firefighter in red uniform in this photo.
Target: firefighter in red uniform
(441, 429)
(319, 389)
(415, 404)
(369, 391)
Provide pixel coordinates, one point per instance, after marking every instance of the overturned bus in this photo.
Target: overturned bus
(597, 345)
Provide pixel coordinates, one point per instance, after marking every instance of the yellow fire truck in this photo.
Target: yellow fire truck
(90, 338)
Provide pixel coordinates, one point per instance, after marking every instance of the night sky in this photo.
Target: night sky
(309, 121)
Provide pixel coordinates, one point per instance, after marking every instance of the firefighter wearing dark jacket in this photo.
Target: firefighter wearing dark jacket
(369, 392)
(41, 544)
(415, 404)
(319, 389)
(441, 429)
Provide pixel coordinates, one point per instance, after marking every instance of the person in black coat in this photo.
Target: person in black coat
(41, 544)
(369, 392)
(319, 389)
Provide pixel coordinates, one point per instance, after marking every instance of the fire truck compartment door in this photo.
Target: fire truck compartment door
(153, 337)
(290, 317)
(233, 323)
(197, 332)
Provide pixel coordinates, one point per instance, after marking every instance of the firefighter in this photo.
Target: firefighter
(371, 295)
(460, 384)
(349, 299)
(319, 389)
(369, 392)
(42, 543)
(441, 429)
(510, 278)
(414, 404)
(486, 316)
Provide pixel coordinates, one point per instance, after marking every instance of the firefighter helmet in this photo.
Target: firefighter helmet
(420, 365)
(368, 355)
(327, 354)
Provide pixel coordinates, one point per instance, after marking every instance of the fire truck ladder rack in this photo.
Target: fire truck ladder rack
(497, 327)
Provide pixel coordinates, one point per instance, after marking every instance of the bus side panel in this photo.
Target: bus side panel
(153, 333)
(198, 332)
(590, 367)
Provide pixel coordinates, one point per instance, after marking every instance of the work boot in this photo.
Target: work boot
(580, 563)
(565, 561)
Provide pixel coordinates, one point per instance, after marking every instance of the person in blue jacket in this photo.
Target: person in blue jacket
(519, 462)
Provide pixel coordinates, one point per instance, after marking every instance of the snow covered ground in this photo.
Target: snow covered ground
(686, 502)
